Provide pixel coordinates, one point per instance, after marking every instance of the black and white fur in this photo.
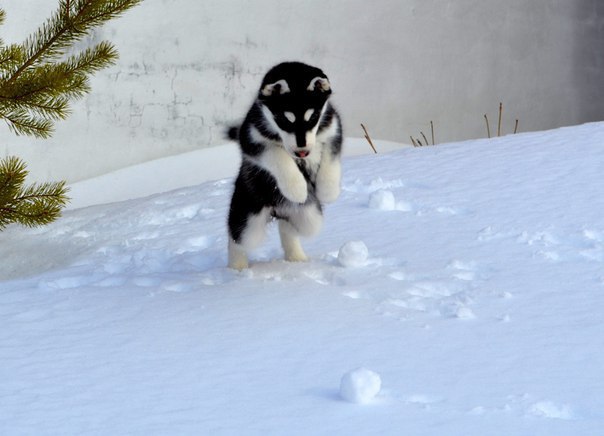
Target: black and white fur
(291, 141)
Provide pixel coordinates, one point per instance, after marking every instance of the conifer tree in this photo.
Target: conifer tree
(38, 79)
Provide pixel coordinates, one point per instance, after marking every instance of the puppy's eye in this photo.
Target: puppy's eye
(308, 114)
(290, 116)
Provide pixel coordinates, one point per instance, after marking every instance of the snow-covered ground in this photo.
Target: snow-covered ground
(476, 309)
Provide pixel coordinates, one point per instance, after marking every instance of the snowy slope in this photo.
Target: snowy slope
(179, 171)
(479, 306)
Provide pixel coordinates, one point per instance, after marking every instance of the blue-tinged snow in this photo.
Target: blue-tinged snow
(477, 304)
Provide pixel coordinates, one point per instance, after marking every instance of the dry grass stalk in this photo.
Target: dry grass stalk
(369, 139)
(418, 142)
(499, 123)
(425, 139)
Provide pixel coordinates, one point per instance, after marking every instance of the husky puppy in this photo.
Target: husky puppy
(291, 141)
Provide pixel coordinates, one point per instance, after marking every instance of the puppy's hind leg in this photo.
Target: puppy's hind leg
(291, 243)
(245, 232)
(302, 221)
(237, 256)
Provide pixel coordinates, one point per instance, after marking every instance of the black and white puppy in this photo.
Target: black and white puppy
(291, 141)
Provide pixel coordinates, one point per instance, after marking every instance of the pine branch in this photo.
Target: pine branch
(41, 204)
(12, 175)
(67, 78)
(36, 84)
(22, 123)
(35, 87)
(36, 205)
(67, 25)
(93, 59)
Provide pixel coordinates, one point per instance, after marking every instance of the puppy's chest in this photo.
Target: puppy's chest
(310, 166)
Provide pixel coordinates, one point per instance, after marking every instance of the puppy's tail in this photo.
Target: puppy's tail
(232, 133)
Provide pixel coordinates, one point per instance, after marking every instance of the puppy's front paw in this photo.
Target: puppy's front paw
(295, 188)
(328, 182)
(328, 190)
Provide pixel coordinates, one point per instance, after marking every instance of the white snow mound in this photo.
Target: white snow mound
(360, 385)
(353, 254)
(382, 200)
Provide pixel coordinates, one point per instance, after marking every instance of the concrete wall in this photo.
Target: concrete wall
(187, 67)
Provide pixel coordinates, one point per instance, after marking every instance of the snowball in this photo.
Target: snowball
(353, 254)
(360, 385)
(382, 200)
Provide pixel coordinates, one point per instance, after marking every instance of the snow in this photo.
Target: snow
(479, 304)
(186, 169)
(360, 385)
(382, 199)
(353, 254)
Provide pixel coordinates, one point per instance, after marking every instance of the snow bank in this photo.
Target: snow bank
(481, 305)
(184, 170)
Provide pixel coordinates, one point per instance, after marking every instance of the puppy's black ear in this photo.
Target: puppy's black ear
(320, 84)
(280, 87)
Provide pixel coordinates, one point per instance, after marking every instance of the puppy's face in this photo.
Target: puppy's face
(293, 109)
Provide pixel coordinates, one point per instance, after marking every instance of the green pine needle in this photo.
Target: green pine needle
(12, 176)
(32, 206)
(23, 123)
(10, 57)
